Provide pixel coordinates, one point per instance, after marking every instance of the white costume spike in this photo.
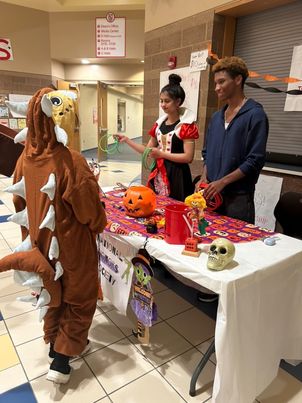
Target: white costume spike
(44, 299)
(28, 298)
(59, 270)
(42, 313)
(54, 250)
(46, 105)
(25, 245)
(49, 220)
(17, 189)
(61, 135)
(18, 107)
(20, 218)
(21, 277)
(50, 187)
(34, 281)
(21, 136)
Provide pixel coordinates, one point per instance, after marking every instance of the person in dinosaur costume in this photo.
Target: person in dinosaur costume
(56, 198)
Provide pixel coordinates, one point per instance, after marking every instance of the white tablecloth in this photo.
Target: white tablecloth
(259, 318)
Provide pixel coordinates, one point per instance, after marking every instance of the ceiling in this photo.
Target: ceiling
(80, 5)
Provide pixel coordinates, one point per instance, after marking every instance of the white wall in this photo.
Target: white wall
(87, 104)
(134, 114)
(128, 73)
(57, 69)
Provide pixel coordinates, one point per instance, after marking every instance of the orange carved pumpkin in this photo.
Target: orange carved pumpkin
(139, 201)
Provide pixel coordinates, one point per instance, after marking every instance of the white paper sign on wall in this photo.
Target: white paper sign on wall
(267, 194)
(199, 60)
(6, 51)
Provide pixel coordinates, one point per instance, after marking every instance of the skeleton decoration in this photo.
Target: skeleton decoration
(221, 253)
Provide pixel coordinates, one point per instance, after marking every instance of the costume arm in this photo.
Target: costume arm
(86, 205)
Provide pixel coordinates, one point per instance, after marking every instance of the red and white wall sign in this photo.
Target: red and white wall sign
(110, 36)
(6, 51)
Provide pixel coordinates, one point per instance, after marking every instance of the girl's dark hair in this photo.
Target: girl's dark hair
(174, 89)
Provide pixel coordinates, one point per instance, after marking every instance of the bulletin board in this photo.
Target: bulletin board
(190, 84)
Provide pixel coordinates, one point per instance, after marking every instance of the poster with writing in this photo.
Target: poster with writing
(13, 123)
(4, 112)
(190, 84)
(110, 36)
(267, 194)
(116, 270)
(199, 60)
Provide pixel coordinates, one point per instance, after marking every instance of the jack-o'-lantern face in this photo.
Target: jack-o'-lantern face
(139, 201)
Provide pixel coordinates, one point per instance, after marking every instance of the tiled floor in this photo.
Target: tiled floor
(117, 369)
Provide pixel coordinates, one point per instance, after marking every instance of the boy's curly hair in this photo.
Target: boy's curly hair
(234, 66)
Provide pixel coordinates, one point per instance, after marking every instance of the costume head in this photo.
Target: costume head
(44, 133)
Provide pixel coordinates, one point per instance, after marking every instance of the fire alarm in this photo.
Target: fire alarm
(172, 62)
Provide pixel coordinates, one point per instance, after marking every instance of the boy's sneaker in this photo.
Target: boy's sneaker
(52, 353)
(59, 371)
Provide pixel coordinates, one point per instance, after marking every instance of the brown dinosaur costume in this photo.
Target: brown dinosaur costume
(56, 197)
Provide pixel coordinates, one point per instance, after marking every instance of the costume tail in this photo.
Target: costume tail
(32, 261)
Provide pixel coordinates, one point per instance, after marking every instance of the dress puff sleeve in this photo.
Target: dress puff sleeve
(188, 131)
(152, 131)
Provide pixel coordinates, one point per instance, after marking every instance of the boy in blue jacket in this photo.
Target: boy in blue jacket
(235, 145)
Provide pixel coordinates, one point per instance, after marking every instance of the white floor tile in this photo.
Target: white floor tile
(33, 355)
(117, 364)
(284, 389)
(82, 387)
(11, 378)
(165, 344)
(8, 286)
(25, 327)
(103, 332)
(194, 325)
(150, 388)
(203, 347)
(105, 305)
(170, 304)
(157, 286)
(10, 306)
(179, 372)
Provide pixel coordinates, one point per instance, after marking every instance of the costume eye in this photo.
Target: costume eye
(57, 101)
(222, 251)
(212, 248)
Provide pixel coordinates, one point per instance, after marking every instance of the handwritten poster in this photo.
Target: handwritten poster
(199, 60)
(267, 194)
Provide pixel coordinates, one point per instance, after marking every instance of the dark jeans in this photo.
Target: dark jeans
(240, 206)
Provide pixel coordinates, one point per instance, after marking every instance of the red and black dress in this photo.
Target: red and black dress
(173, 178)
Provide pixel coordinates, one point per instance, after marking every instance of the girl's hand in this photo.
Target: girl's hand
(121, 138)
(156, 153)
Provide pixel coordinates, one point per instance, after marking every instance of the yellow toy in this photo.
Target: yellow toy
(197, 203)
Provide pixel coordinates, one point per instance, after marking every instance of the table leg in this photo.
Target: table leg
(200, 367)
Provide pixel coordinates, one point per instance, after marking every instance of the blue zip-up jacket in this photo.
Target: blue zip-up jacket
(242, 145)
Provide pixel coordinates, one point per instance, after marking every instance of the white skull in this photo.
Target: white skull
(221, 252)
